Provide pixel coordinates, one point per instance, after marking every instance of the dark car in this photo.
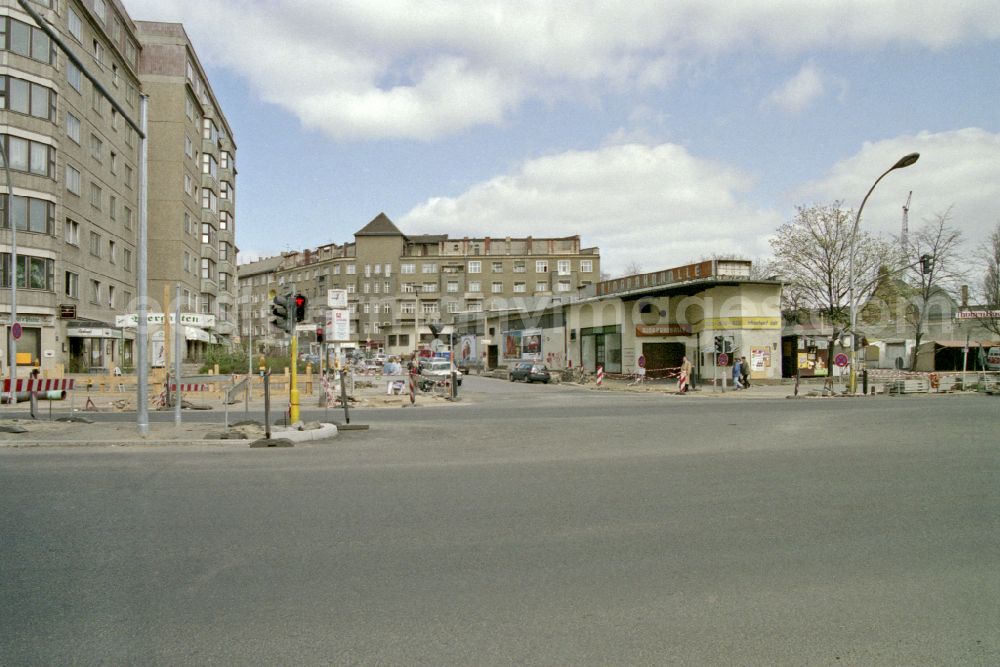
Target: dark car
(530, 373)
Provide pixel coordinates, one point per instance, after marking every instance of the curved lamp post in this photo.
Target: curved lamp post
(904, 161)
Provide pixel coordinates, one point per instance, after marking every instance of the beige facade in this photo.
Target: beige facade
(192, 178)
(74, 166)
(399, 283)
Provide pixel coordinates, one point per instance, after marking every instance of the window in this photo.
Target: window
(73, 127)
(351, 288)
(131, 52)
(32, 272)
(114, 82)
(73, 179)
(29, 214)
(30, 156)
(112, 247)
(186, 265)
(127, 215)
(25, 40)
(497, 267)
(128, 176)
(407, 308)
(387, 286)
(207, 268)
(95, 291)
(207, 233)
(562, 266)
(497, 288)
(209, 200)
(72, 285)
(429, 267)
(127, 259)
(187, 182)
(74, 76)
(96, 147)
(520, 288)
(225, 219)
(112, 207)
(541, 286)
(189, 106)
(95, 244)
(428, 307)
(96, 195)
(563, 286)
(352, 269)
(586, 266)
(223, 251)
(209, 130)
(224, 281)
(474, 286)
(209, 165)
(98, 52)
(75, 25)
(429, 287)
(407, 269)
(71, 232)
(100, 10)
(97, 101)
(188, 147)
(452, 286)
(368, 270)
(114, 162)
(31, 99)
(225, 160)
(111, 296)
(475, 267)
(541, 266)
(519, 266)
(336, 269)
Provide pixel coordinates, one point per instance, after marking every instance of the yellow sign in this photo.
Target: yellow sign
(714, 323)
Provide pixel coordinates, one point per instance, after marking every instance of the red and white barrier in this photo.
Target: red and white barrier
(39, 384)
(190, 387)
(600, 375)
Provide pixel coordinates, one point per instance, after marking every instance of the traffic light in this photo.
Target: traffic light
(300, 307)
(281, 317)
(718, 344)
(728, 344)
(926, 263)
(319, 334)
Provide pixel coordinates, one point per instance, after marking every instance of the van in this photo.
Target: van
(993, 359)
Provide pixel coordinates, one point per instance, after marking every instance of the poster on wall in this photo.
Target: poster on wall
(760, 359)
(531, 344)
(512, 345)
(467, 348)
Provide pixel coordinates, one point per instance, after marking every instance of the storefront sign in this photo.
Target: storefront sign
(198, 320)
(716, 323)
(91, 332)
(662, 329)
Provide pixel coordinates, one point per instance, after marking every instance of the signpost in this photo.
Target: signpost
(16, 331)
(841, 360)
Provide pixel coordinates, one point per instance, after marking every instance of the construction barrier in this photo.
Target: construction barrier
(600, 376)
(38, 384)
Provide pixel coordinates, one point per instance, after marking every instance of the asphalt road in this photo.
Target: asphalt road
(527, 525)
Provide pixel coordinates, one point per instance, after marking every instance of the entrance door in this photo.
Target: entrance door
(661, 356)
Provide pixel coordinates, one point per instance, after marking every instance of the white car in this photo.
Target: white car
(439, 370)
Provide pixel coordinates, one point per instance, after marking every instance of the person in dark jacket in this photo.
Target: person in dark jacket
(744, 372)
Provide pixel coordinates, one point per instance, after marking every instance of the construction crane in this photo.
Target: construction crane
(906, 220)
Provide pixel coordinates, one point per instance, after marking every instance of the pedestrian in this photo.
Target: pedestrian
(744, 372)
(34, 393)
(737, 372)
(684, 377)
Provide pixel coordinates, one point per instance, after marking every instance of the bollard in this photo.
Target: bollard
(600, 376)
(864, 382)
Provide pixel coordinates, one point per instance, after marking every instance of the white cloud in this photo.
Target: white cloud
(958, 170)
(655, 205)
(401, 68)
(799, 92)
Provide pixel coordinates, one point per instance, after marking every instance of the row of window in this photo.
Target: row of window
(28, 98)
(98, 293)
(98, 248)
(563, 268)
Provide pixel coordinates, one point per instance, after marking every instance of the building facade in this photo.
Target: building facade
(400, 285)
(74, 167)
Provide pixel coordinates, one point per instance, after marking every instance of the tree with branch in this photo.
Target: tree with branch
(989, 258)
(932, 272)
(812, 256)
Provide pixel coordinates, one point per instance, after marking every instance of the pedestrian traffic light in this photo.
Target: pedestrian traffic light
(718, 344)
(319, 334)
(926, 263)
(281, 317)
(300, 307)
(728, 344)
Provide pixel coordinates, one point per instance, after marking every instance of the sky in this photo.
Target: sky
(659, 132)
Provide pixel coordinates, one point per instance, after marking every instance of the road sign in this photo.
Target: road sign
(338, 325)
(642, 361)
(723, 359)
(841, 360)
(15, 331)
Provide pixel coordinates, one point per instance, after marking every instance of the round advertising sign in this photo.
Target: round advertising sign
(15, 331)
(723, 359)
(840, 360)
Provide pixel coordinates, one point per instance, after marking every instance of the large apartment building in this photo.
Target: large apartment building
(74, 166)
(398, 283)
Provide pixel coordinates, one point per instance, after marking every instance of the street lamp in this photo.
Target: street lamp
(904, 161)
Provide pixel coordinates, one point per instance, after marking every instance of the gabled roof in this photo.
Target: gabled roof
(380, 226)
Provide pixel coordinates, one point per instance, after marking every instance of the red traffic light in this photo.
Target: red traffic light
(299, 301)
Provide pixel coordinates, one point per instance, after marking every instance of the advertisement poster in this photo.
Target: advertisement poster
(467, 349)
(531, 343)
(512, 345)
(760, 359)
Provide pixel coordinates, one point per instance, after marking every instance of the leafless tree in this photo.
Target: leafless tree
(989, 258)
(932, 271)
(812, 256)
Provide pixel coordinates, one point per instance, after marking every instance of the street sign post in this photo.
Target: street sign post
(841, 360)
(16, 331)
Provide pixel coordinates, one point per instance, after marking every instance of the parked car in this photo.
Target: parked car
(466, 365)
(530, 372)
(437, 370)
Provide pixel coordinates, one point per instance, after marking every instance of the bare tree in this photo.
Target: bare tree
(989, 257)
(812, 255)
(633, 268)
(932, 271)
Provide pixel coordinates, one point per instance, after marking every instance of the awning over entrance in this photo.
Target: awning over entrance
(190, 333)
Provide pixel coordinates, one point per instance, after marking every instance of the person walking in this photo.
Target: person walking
(684, 377)
(744, 372)
(737, 373)
(34, 393)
